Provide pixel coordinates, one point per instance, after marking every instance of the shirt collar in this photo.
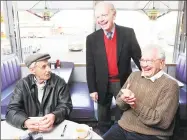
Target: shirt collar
(113, 30)
(156, 76)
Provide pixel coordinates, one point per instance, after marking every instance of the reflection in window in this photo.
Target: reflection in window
(161, 31)
(67, 29)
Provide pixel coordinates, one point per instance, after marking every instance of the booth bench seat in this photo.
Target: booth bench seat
(83, 106)
(181, 76)
(10, 74)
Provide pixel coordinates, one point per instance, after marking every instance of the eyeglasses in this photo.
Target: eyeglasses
(148, 62)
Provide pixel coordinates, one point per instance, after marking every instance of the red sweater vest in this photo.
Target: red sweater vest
(111, 52)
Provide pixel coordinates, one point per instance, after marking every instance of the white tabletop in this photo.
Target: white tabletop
(10, 132)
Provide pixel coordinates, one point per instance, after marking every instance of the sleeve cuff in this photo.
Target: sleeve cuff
(58, 117)
(22, 126)
(137, 109)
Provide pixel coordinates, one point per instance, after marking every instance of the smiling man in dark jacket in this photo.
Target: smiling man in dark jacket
(40, 94)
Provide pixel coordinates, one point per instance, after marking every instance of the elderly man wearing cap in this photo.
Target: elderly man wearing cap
(40, 94)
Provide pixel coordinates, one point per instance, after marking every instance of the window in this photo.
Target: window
(66, 30)
(5, 41)
(161, 31)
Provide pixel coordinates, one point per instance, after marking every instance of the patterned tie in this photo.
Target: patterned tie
(109, 35)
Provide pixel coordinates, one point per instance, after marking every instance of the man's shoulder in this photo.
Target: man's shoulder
(94, 33)
(124, 28)
(27, 78)
(55, 78)
(25, 81)
(136, 73)
(168, 81)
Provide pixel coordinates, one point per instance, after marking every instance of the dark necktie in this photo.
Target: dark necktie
(109, 35)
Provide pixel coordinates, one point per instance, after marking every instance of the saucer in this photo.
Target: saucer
(89, 136)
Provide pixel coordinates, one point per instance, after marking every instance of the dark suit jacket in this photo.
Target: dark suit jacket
(96, 59)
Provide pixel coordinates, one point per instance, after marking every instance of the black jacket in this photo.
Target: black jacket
(24, 102)
(96, 59)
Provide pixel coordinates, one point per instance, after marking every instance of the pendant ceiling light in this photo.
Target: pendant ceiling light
(154, 13)
(47, 13)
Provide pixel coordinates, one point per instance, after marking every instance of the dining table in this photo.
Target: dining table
(58, 132)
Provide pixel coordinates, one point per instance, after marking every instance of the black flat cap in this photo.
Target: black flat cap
(35, 58)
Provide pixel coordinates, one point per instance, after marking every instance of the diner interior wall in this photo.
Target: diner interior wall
(79, 72)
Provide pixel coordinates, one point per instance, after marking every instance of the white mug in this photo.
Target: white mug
(82, 131)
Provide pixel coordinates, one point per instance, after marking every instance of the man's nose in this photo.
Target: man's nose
(101, 19)
(144, 64)
(48, 69)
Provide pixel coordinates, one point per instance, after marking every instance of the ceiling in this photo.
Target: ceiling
(127, 5)
(25, 5)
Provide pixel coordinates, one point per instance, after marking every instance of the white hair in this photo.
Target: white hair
(155, 47)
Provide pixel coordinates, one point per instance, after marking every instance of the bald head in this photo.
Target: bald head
(104, 5)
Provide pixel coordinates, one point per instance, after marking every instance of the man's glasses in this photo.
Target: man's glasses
(148, 62)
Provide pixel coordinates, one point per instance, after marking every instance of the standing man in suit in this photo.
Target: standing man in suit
(108, 61)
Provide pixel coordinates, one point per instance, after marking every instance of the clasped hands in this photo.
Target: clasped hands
(128, 96)
(44, 124)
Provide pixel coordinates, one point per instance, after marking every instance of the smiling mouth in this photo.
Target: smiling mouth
(147, 70)
(103, 24)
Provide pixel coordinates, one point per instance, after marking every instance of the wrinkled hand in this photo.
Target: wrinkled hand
(46, 124)
(94, 96)
(128, 96)
(32, 125)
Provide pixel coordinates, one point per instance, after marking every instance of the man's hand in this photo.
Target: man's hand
(46, 124)
(128, 96)
(32, 125)
(94, 96)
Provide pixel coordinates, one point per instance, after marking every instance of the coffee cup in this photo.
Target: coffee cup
(82, 131)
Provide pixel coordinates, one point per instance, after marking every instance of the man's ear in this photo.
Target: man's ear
(114, 14)
(32, 70)
(162, 64)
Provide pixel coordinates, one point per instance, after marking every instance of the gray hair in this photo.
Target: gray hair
(155, 47)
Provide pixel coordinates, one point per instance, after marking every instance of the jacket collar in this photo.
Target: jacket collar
(38, 84)
(34, 81)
